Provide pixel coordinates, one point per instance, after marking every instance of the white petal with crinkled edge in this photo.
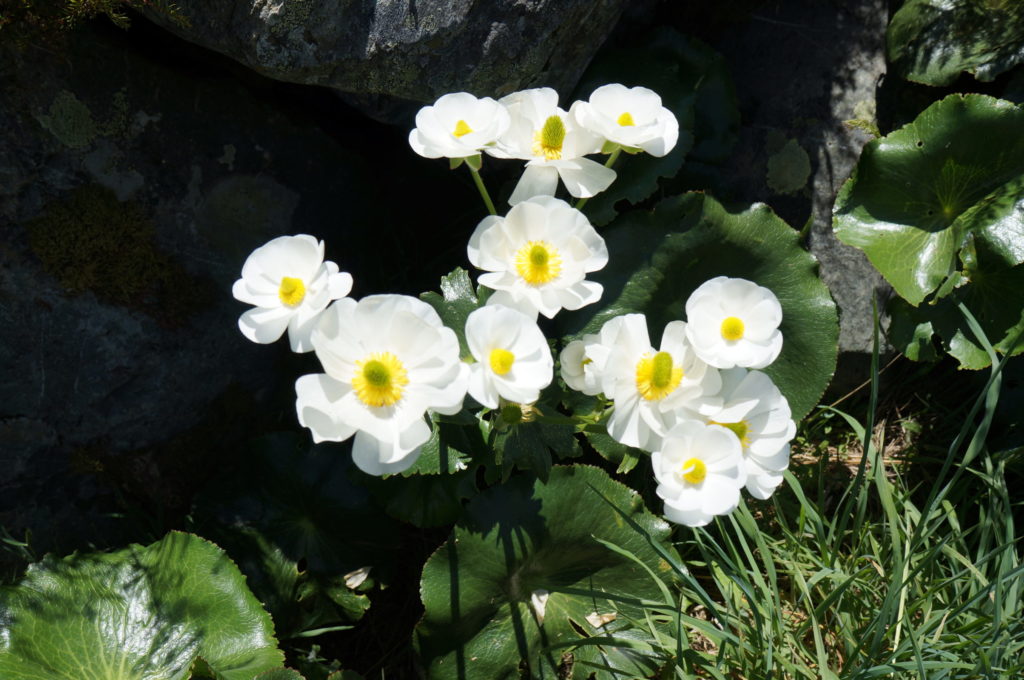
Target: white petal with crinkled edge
(411, 331)
(496, 241)
(581, 365)
(635, 420)
(299, 257)
(584, 178)
(491, 328)
(653, 127)
(264, 325)
(316, 395)
(536, 180)
(695, 502)
(377, 457)
(435, 133)
(755, 306)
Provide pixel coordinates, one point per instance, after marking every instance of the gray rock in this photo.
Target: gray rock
(411, 49)
(802, 69)
(130, 194)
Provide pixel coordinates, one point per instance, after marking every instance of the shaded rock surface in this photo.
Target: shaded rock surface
(411, 49)
(135, 177)
(802, 69)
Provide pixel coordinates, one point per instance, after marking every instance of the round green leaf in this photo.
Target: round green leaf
(934, 41)
(918, 193)
(525, 542)
(142, 613)
(658, 258)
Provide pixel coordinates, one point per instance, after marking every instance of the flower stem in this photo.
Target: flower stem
(483, 190)
(614, 156)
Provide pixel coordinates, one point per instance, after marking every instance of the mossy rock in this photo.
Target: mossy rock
(91, 241)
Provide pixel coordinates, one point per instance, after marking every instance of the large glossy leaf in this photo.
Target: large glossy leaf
(918, 193)
(142, 613)
(694, 84)
(658, 258)
(934, 41)
(524, 573)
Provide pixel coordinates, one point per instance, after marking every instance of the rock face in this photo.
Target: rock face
(136, 175)
(412, 49)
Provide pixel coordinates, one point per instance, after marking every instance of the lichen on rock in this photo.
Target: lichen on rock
(70, 121)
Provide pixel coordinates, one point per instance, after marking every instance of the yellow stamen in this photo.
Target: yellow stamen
(694, 470)
(292, 291)
(538, 262)
(740, 429)
(462, 128)
(379, 379)
(626, 120)
(657, 376)
(501, 360)
(548, 140)
(732, 328)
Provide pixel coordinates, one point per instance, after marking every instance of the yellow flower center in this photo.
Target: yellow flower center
(538, 262)
(501, 360)
(740, 429)
(694, 470)
(732, 328)
(291, 291)
(462, 128)
(548, 140)
(379, 379)
(626, 120)
(657, 377)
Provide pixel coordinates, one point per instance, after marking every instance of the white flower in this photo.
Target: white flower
(755, 411)
(513, 360)
(653, 389)
(290, 284)
(554, 144)
(734, 322)
(389, 361)
(630, 116)
(458, 125)
(540, 254)
(699, 469)
(580, 369)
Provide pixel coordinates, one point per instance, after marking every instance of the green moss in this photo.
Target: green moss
(91, 241)
(70, 121)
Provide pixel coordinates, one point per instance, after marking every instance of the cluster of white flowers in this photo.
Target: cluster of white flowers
(530, 126)
(389, 362)
(712, 425)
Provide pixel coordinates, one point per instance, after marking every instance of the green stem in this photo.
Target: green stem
(609, 163)
(483, 190)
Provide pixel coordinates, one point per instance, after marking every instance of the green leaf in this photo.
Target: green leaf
(660, 257)
(911, 331)
(138, 613)
(918, 193)
(519, 541)
(280, 674)
(626, 456)
(693, 83)
(531, 446)
(299, 599)
(934, 41)
(458, 301)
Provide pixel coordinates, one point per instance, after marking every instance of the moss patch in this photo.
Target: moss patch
(91, 241)
(70, 121)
